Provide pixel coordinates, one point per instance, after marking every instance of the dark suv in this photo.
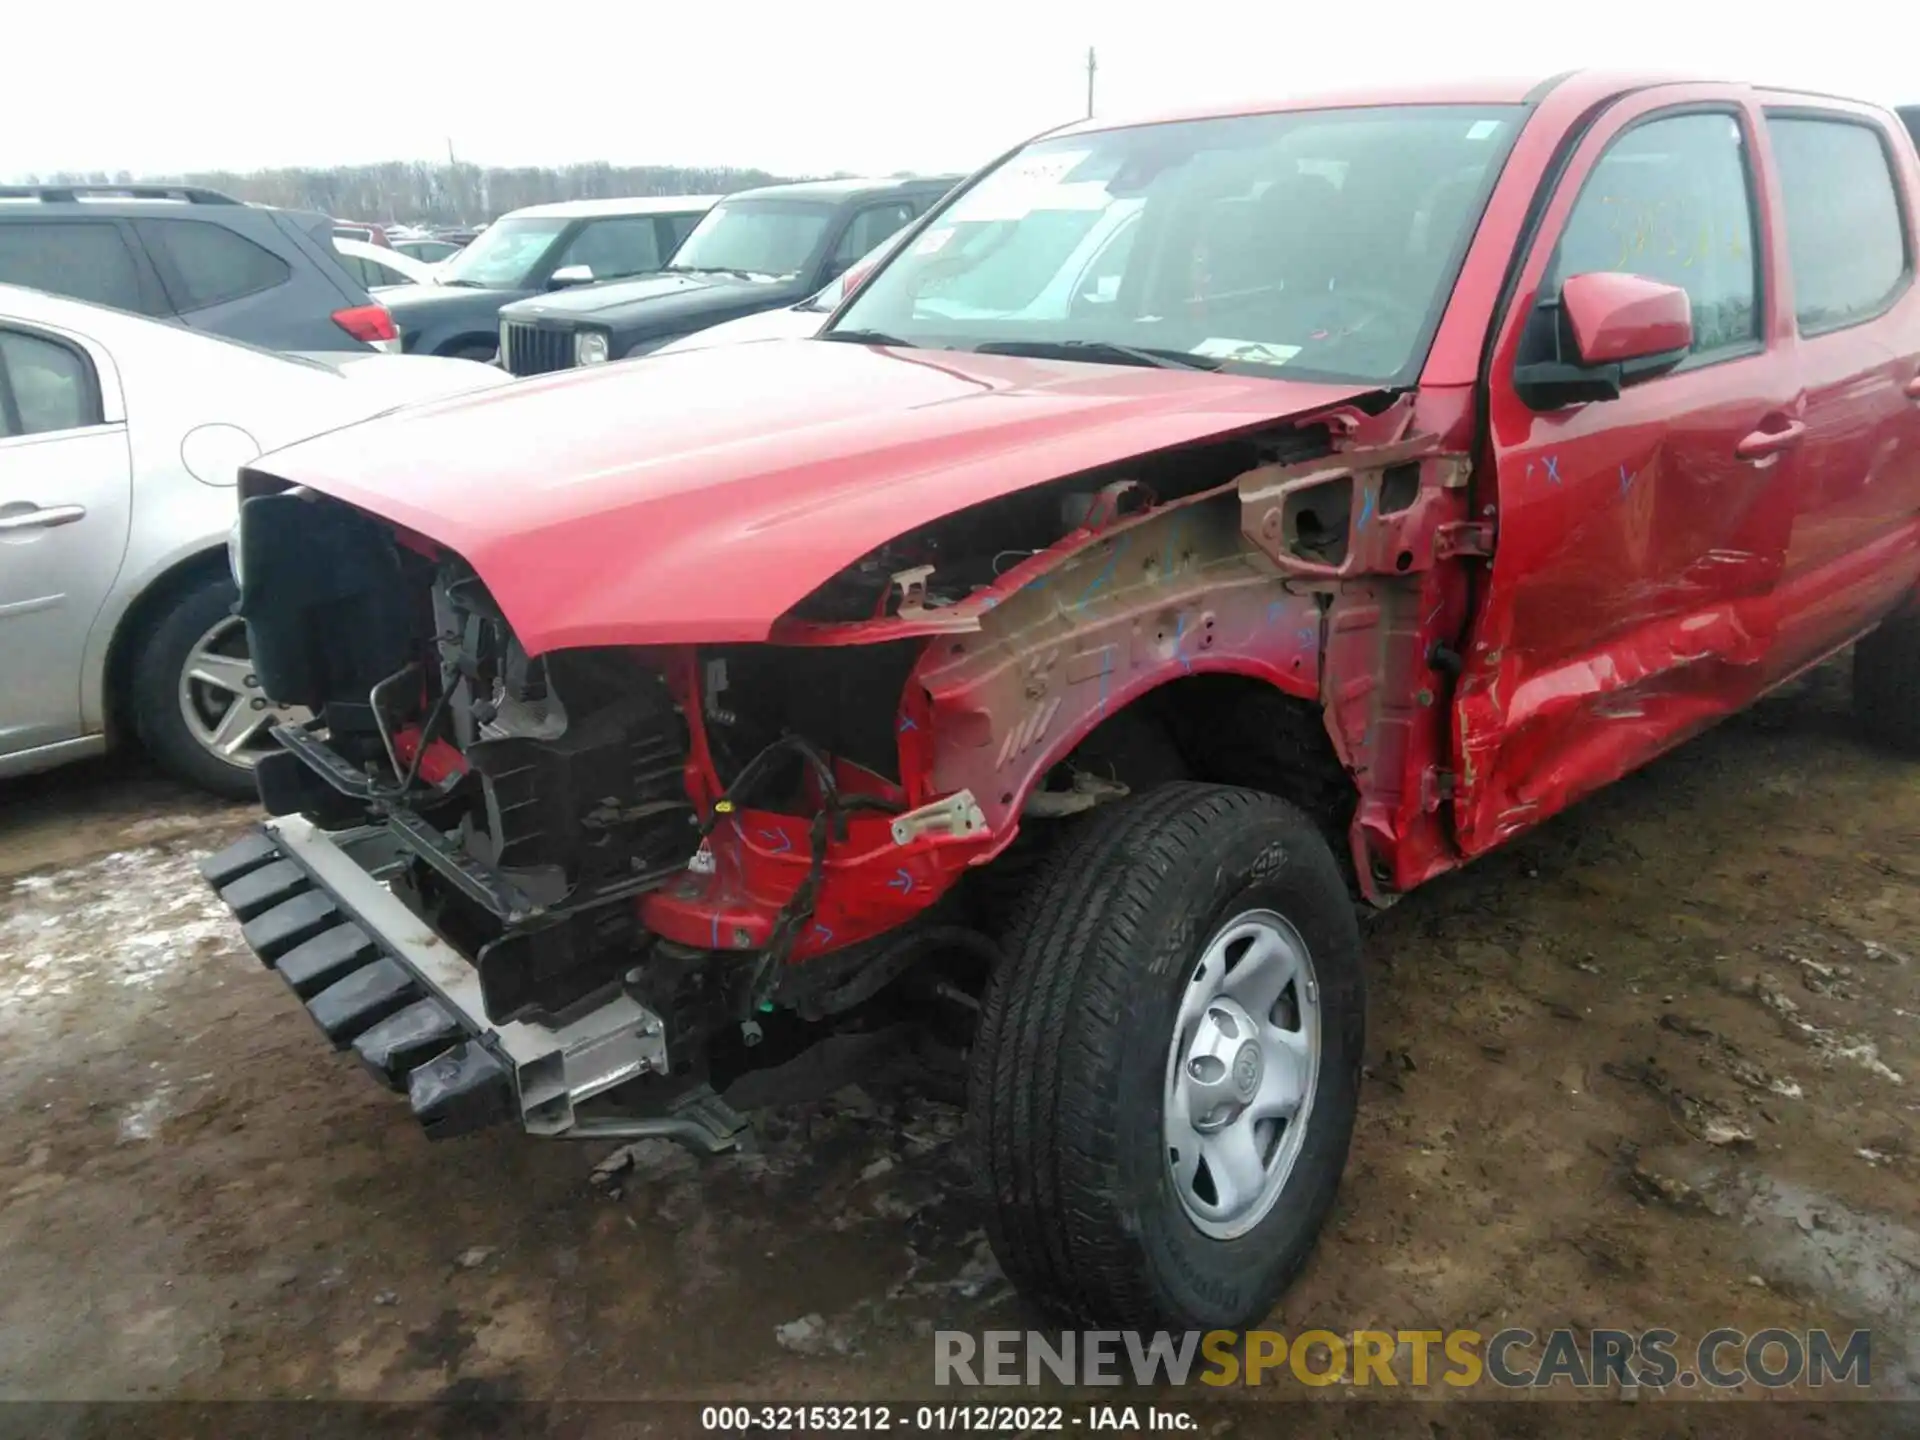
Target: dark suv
(756, 250)
(248, 272)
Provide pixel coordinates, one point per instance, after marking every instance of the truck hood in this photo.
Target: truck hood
(655, 306)
(585, 301)
(788, 323)
(697, 497)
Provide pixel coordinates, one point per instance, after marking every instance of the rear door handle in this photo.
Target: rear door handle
(42, 519)
(1765, 444)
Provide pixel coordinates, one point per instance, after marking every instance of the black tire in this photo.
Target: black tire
(1886, 684)
(1068, 1072)
(155, 689)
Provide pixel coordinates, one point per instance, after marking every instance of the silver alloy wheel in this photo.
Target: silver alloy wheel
(1241, 1073)
(226, 711)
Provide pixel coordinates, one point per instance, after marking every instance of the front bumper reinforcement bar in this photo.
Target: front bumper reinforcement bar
(375, 977)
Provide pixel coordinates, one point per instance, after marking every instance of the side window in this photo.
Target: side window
(86, 259)
(627, 245)
(44, 386)
(208, 264)
(1845, 241)
(1670, 201)
(866, 230)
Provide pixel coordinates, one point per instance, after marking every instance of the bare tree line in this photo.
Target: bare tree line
(430, 193)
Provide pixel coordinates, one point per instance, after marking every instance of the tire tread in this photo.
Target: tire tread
(1044, 1078)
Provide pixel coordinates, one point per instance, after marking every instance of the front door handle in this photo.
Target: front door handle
(1765, 444)
(42, 518)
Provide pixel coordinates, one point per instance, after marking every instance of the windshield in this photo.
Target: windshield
(1324, 242)
(505, 254)
(755, 237)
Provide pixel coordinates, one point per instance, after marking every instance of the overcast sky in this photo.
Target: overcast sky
(800, 85)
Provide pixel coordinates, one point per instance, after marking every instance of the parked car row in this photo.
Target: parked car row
(531, 251)
(278, 279)
(759, 250)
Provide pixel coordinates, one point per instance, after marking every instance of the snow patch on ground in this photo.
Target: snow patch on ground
(125, 920)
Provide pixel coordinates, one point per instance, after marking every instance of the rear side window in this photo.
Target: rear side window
(44, 386)
(208, 264)
(1846, 243)
(1670, 201)
(87, 260)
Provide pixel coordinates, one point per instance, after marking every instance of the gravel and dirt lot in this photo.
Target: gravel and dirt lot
(1656, 1065)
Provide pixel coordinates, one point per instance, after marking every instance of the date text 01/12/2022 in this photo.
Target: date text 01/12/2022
(973, 1419)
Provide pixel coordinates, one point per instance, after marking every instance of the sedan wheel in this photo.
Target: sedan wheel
(195, 700)
(221, 701)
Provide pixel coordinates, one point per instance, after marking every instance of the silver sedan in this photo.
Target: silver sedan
(120, 443)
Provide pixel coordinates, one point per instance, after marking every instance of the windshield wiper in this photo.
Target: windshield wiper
(463, 284)
(714, 270)
(1099, 352)
(866, 337)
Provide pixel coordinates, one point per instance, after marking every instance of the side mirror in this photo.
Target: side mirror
(568, 276)
(1605, 331)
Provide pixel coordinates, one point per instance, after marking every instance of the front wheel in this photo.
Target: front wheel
(197, 705)
(1166, 1076)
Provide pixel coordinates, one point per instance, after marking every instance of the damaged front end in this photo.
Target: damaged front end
(516, 884)
(594, 886)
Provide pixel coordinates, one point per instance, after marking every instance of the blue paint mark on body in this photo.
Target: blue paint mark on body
(1179, 630)
(906, 724)
(1626, 480)
(822, 934)
(1366, 508)
(778, 839)
(1552, 462)
(902, 881)
(1106, 570)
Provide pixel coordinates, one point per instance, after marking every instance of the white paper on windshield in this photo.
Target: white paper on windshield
(1028, 184)
(1481, 129)
(1045, 165)
(1252, 352)
(934, 241)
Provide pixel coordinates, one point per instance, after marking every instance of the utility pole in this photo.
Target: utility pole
(1091, 67)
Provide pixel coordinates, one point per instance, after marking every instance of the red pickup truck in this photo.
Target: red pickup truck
(1191, 528)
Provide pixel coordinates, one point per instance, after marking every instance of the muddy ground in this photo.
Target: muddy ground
(1656, 1065)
